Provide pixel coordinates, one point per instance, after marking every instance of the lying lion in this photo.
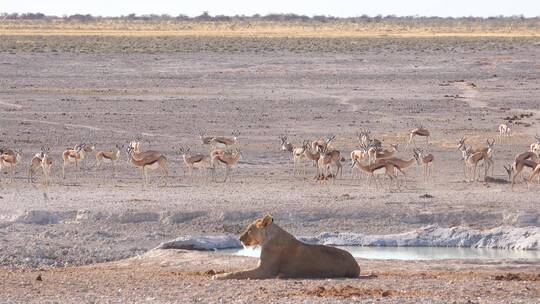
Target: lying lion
(283, 256)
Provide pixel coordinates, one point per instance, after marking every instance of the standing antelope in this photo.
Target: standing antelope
(420, 131)
(535, 172)
(10, 158)
(504, 130)
(487, 150)
(151, 160)
(517, 168)
(472, 160)
(375, 153)
(426, 161)
(206, 140)
(41, 160)
(535, 147)
(225, 141)
(359, 155)
(297, 152)
(365, 139)
(194, 161)
(111, 156)
(229, 159)
(88, 148)
(72, 155)
(375, 170)
(326, 160)
(321, 143)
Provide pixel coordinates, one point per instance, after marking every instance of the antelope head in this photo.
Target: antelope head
(329, 139)
(537, 139)
(461, 143)
(490, 142)
(235, 134)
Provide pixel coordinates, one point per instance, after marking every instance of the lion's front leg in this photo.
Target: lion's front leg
(258, 273)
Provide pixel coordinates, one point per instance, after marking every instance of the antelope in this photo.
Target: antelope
(109, 157)
(229, 159)
(192, 161)
(400, 164)
(536, 172)
(535, 147)
(472, 160)
(10, 158)
(314, 156)
(285, 145)
(41, 160)
(88, 148)
(360, 155)
(487, 150)
(326, 160)
(420, 131)
(226, 141)
(72, 155)
(297, 152)
(365, 139)
(151, 160)
(426, 161)
(321, 143)
(375, 153)
(206, 140)
(504, 130)
(517, 168)
(374, 170)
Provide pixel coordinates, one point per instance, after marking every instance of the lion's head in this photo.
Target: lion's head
(254, 233)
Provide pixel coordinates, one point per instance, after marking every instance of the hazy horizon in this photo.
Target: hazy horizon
(338, 8)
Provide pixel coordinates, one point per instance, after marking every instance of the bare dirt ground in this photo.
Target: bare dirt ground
(64, 90)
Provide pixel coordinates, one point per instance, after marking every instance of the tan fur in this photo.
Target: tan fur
(229, 159)
(374, 170)
(10, 159)
(422, 132)
(148, 160)
(283, 256)
(108, 156)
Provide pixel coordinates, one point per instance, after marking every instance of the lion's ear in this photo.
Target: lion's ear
(267, 220)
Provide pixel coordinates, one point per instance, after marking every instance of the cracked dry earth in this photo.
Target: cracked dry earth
(454, 87)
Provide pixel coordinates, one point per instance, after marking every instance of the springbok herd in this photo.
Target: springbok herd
(370, 159)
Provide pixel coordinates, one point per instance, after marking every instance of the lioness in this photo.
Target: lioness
(283, 256)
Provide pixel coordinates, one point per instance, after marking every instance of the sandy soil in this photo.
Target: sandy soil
(185, 277)
(61, 91)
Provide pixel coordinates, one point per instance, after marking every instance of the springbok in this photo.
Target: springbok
(41, 160)
(517, 168)
(151, 160)
(111, 156)
(10, 158)
(72, 155)
(194, 161)
(472, 160)
(297, 152)
(375, 153)
(420, 131)
(326, 160)
(359, 155)
(321, 143)
(229, 159)
(375, 170)
(426, 161)
(88, 148)
(487, 150)
(504, 130)
(535, 172)
(365, 139)
(206, 140)
(225, 141)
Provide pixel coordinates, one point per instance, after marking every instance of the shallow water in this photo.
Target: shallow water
(418, 253)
